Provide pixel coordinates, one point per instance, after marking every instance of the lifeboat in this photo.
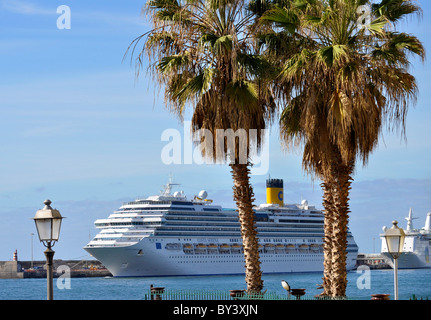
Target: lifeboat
(173, 246)
(314, 246)
(236, 248)
(269, 247)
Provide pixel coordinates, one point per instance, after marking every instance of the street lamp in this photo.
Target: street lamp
(395, 242)
(48, 223)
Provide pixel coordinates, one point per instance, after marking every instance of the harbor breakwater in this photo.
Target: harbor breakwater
(37, 269)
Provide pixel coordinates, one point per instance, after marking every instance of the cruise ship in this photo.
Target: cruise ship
(170, 235)
(417, 245)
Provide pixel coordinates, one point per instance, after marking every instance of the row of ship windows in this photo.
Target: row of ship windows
(183, 203)
(168, 230)
(191, 227)
(176, 220)
(168, 208)
(232, 227)
(239, 240)
(172, 215)
(317, 223)
(188, 227)
(217, 219)
(310, 257)
(226, 234)
(207, 227)
(182, 216)
(177, 231)
(132, 223)
(156, 209)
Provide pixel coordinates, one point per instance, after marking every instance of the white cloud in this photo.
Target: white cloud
(22, 7)
(115, 19)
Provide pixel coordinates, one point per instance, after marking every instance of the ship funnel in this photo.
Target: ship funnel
(274, 191)
(428, 222)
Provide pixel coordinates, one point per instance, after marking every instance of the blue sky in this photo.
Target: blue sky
(78, 128)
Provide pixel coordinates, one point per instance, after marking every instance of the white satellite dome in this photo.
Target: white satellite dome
(177, 194)
(304, 203)
(203, 194)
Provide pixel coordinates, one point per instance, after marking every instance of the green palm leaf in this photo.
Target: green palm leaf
(282, 18)
(244, 94)
(173, 62)
(332, 54)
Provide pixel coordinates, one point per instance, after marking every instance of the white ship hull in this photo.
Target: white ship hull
(144, 259)
(409, 260)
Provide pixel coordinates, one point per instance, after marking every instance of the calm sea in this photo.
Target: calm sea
(361, 284)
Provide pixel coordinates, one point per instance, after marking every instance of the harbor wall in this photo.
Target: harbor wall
(37, 269)
(10, 270)
(372, 260)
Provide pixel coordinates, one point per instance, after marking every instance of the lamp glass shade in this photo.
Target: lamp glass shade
(48, 223)
(395, 244)
(48, 229)
(56, 225)
(43, 227)
(395, 240)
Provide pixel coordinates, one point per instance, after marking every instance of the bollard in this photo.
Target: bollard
(297, 293)
(157, 291)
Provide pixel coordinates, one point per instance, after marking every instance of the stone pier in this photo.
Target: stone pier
(11, 270)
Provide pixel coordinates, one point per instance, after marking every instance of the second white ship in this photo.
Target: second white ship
(169, 235)
(416, 247)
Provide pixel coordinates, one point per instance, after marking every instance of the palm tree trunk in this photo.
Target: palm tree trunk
(328, 204)
(243, 196)
(340, 228)
(336, 188)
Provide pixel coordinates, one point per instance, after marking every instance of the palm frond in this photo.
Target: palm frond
(244, 94)
(173, 63)
(283, 18)
(395, 10)
(332, 54)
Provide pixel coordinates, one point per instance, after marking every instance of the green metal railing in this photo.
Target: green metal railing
(169, 294)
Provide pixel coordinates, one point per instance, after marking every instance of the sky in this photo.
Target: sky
(79, 128)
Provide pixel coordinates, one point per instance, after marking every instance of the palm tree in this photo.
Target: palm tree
(201, 53)
(342, 76)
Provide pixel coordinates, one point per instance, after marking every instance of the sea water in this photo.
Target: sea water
(361, 285)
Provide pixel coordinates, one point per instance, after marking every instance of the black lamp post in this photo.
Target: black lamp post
(48, 223)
